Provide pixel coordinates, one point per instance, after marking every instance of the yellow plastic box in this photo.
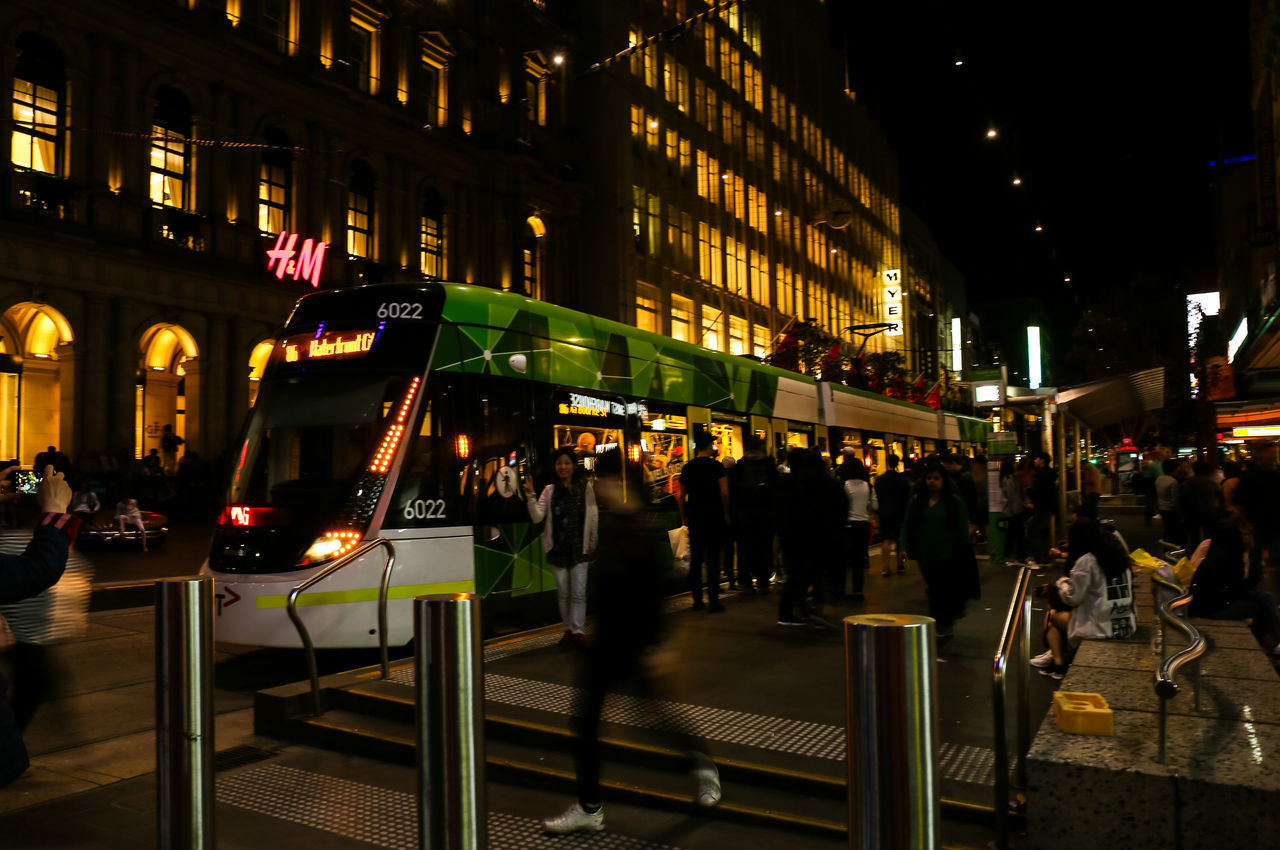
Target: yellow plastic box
(1083, 714)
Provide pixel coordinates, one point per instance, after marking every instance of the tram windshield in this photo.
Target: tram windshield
(310, 438)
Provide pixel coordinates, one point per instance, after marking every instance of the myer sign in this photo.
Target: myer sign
(893, 300)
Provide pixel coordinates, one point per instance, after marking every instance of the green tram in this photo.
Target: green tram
(412, 412)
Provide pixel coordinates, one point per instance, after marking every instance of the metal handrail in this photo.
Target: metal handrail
(383, 591)
(1166, 689)
(1017, 627)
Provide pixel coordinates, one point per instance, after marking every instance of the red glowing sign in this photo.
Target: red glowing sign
(243, 516)
(303, 264)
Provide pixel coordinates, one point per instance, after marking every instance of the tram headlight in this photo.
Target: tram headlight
(332, 544)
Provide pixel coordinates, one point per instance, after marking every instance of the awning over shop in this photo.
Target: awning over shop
(1102, 403)
(1244, 415)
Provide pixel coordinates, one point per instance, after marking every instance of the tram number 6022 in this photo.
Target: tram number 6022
(424, 509)
(399, 310)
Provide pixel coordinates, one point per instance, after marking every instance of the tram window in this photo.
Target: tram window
(502, 431)
(432, 486)
(665, 458)
(729, 439)
(797, 440)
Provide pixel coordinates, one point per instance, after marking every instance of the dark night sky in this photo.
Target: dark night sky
(1110, 113)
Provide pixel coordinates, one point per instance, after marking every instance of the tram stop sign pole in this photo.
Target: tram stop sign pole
(891, 731)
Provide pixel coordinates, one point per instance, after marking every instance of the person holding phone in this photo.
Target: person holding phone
(37, 568)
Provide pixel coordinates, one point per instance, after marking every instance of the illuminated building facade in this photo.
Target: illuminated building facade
(159, 149)
(739, 186)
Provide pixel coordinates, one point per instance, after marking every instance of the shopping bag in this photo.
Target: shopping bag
(679, 538)
(57, 614)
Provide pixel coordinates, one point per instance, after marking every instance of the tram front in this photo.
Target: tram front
(311, 476)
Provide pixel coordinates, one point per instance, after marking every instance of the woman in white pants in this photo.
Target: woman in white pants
(568, 537)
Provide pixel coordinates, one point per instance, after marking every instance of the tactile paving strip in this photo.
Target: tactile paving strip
(377, 816)
(963, 763)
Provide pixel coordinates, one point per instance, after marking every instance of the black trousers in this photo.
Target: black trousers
(728, 545)
(704, 551)
(857, 538)
(611, 663)
(755, 553)
(942, 585)
(804, 571)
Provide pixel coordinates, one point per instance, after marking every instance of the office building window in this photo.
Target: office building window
(436, 53)
(39, 101)
(431, 236)
(737, 335)
(278, 23)
(534, 241)
(647, 307)
(761, 341)
(275, 183)
(170, 150)
(364, 43)
(536, 76)
(681, 318)
(712, 328)
(360, 188)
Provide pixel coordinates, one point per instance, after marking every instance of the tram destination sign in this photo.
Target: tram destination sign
(332, 345)
(581, 404)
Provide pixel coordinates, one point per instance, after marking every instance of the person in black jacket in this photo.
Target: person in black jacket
(21, 576)
(892, 492)
(753, 490)
(812, 508)
(1043, 500)
(1225, 587)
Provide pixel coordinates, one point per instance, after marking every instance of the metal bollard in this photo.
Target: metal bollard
(450, 722)
(184, 713)
(891, 729)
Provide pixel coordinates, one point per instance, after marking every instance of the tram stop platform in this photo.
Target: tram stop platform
(768, 699)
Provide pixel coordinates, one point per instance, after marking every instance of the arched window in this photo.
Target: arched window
(360, 211)
(171, 150)
(275, 183)
(39, 107)
(431, 235)
(534, 234)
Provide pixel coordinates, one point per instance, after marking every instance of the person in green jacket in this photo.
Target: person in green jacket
(935, 534)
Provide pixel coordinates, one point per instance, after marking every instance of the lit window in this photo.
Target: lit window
(436, 54)
(634, 37)
(274, 185)
(647, 308)
(364, 39)
(233, 12)
(170, 150)
(38, 87)
(682, 88)
(536, 75)
(761, 341)
(654, 234)
(637, 121)
(431, 236)
(712, 331)
(737, 335)
(534, 235)
(360, 212)
(681, 318)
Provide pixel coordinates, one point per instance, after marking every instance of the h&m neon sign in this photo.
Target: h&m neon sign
(302, 264)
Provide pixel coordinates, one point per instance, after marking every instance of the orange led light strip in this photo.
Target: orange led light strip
(395, 430)
(350, 539)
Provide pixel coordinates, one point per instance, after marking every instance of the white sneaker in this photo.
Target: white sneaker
(708, 778)
(575, 819)
(1044, 659)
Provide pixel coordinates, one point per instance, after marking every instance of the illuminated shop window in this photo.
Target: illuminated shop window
(681, 318)
(39, 95)
(431, 236)
(436, 54)
(534, 241)
(647, 308)
(275, 184)
(364, 43)
(170, 150)
(360, 211)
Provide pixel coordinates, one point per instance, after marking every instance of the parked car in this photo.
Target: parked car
(102, 530)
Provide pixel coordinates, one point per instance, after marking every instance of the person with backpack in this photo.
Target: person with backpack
(892, 492)
(753, 488)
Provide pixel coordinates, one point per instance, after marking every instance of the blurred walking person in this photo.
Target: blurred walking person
(628, 643)
(1014, 511)
(812, 510)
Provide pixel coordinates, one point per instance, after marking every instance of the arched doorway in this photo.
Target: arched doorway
(257, 364)
(165, 395)
(36, 377)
